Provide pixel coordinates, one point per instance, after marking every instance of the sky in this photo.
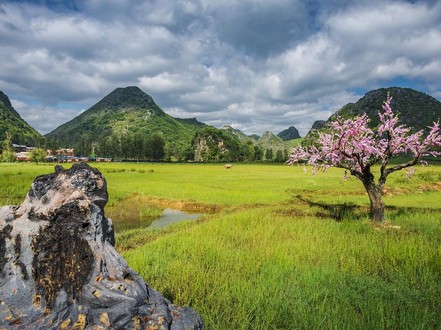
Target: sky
(255, 65)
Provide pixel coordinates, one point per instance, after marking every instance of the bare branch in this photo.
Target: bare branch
(401, 166)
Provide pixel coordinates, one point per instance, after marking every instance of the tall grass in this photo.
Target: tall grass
(255, 269)
(243, 185)
(284, 250)
(16, 179)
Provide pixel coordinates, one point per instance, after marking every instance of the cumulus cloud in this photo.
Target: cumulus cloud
(253, 64)
(42, 116)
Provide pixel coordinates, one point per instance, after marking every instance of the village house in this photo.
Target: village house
(62, 155)
(22, 152)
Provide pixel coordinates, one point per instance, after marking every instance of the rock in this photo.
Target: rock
(59, 267)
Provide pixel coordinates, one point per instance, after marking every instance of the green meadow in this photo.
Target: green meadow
(276, 248)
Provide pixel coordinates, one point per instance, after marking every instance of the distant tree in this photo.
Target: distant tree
(155, 147)
(8, 154)
(352, 145)
(246, 151)
(109, 146)
(103, 147)
(285, 155)
(257, 153)
(38, 155)
(52, 144)
(279, 157)
(83, 146)
(115, 146)
(92, 153)
(137, 146)
(127, 148)
(187, 154)
(232, 150)
(269, 154)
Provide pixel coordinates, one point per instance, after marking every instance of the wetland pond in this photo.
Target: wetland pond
(167, 217)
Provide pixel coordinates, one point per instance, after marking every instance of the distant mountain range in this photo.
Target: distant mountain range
(127, 116)
(122, 123)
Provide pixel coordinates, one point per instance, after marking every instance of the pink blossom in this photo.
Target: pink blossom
(352, 145)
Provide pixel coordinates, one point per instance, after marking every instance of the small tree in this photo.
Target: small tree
(352, 145)
(269, 154)
(8, 154)
(155, 146)
(279, 157)
(257, 153)
(38, 155)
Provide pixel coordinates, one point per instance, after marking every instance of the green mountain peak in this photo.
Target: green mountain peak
(416, 109)
(10, 121)
(131, 97)
(120, 124)
(4, 99)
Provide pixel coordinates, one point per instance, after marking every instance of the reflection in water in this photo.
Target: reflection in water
(167, 217)
(170, 216)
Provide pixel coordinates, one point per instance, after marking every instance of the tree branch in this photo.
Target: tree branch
(401, 166)
(353, 171)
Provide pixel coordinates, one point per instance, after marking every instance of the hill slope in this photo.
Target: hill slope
(125, 116)
(10, 121)
(417, 109)
(120, 125)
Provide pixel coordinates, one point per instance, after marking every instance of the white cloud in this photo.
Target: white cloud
(255, 64)
(44, 117)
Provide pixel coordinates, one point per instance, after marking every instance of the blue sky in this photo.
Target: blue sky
(256, 65)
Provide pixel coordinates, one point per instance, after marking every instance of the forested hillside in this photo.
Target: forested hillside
(126, 124)
(10, 121)
(416, 110)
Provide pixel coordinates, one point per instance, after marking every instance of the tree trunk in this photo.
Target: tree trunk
(377, 204)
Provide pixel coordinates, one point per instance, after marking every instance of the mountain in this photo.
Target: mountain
(10, 121)
(254, 137)
(273, 147)
(318, 124)
(238, 134)
(289, 134)
(229, 145)
(417, 109)
(213, 144)
(269, 140)
(122, 121)
(128, 124)
(191, 121)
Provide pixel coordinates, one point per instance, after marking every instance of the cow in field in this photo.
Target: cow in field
(228, 166)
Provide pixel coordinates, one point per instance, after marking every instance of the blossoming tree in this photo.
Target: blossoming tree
(352, 145)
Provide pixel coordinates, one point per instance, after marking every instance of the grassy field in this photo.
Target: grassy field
(277, 248)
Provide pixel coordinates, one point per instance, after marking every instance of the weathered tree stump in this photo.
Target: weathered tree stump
(59, 267)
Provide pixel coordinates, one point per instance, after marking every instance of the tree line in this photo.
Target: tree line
(220, 147)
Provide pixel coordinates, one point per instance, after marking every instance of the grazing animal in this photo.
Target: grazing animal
(228, 166)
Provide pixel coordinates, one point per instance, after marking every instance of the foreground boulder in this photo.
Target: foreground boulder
(59, 267)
